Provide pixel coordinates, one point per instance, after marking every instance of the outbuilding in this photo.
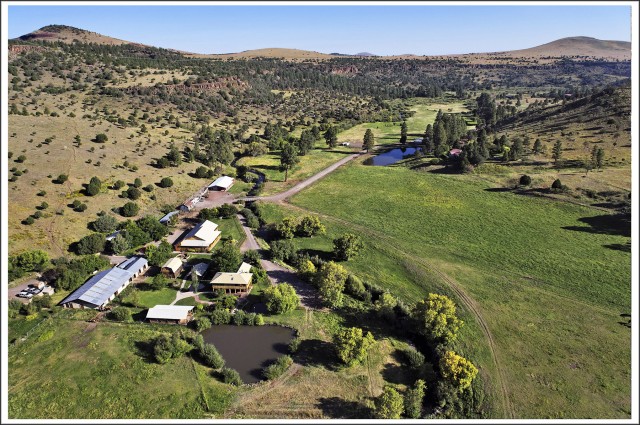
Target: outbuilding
(101, 288)
(170, 314)
(201, 238)
(167, 218)
(223, 183)
(172, 267)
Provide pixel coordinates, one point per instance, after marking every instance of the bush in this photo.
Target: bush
(202, 323)
(525, 180)
(119, 184)
(166, 182)
(249, 319)
(148, 188)
(239, 317)
(252, 257)
(231, 376)
(346, 246)
(201, 172)
(413, 400)
(210, 356)
(294, 345)
(351, 345)
(120, 314)
(167, 347)
(282, 250)
(414, 358)
(227, 211)
(558, 186)
(105, 224)
(101, 138)
(93, 188)
(389, 404)
(310, 226)
(280, 298)
(355, 287)
(91, 244)
(133, 193)
(220, 316)
(277, 368)
(258, 320)
(129, 209)
(137, 182)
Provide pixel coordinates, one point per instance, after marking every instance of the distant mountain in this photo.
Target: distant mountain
(68, 34)
(578, 46)
(570, 46)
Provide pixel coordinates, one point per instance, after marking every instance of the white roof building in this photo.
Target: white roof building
(221, 183)
(202, 237)
(178, 313)
(244, 268)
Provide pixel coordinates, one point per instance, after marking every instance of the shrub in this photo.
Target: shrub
(167, 347)
(231, 376)
(414, 358)
(525, 180)
(282, 250)
(258, 320)
(238, 317)
(249, 319)
(119, 184)
(120, 314)
(286, 228)
(220, 316)
(105, 224)
(133, 193)
(201, 172)
(310, 225)
(210, 356)
(101, 138)
(252, 257)
(93, 188)
(61, 179)
(227, 210)
(202, 323)
(389, 405)
(413, 400)
(148, 188)
(294, 345)
(37, 214)
(80, 208)
(346, 246)
(166, 182)
(137, 182)
(280, 298)
(277, 368)
(355, 287)
(91, 244)
(557, 185)
(43, 206)
(129, 209)
(351, 345)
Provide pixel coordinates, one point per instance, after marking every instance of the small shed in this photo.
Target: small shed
(455, 152)
(199, 269)
(112, 236)
(223, 183)
(244, 268)
(171, 314)
(172, 267)
(167, 218)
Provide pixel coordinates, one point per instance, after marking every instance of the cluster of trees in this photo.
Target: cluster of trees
(306, 226)
(280, 298)
(27, 262)
(70, 274)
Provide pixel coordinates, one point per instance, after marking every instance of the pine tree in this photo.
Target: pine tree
(368, 140)
(403, 132)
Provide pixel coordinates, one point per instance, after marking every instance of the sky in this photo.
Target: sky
(382, 30)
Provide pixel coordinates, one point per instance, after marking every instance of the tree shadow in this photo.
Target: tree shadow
(624, 247)
(606, 224)
(498, 189)
(398, 374)
(144, 349)
(323, 255)
(337, 408)
(315, 352)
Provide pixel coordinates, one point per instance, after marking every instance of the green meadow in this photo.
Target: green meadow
(545, 277)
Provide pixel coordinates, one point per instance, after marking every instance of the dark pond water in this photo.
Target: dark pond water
(248, 349)
(392, 156)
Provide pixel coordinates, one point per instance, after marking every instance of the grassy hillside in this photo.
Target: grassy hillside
(540, 270)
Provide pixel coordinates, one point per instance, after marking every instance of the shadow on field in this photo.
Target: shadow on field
(398, 374)
(145, 350)
(315, 352)
(498, 189)
(625, 247)
(335, 407)
(607, 224)
(323, 255)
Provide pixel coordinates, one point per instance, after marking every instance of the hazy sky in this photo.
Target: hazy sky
(383, 30)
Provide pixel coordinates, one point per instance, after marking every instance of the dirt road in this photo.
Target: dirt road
(297, 188)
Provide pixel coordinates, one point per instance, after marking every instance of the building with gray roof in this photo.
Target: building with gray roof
(104, 286)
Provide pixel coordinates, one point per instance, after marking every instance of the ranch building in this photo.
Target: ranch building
(172, 268)
(201, 238)
(222, 184)
(170, 314)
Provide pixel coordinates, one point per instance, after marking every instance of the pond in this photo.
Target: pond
(392, 156)
(248, 349)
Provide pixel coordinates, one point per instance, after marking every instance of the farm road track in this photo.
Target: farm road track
(469, 302)
(61, 204)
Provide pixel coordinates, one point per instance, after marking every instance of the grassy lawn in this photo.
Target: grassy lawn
(150, 298)
(85, 362)
(187, 301)
(549, 285)
(230, 228)
(313, 162)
